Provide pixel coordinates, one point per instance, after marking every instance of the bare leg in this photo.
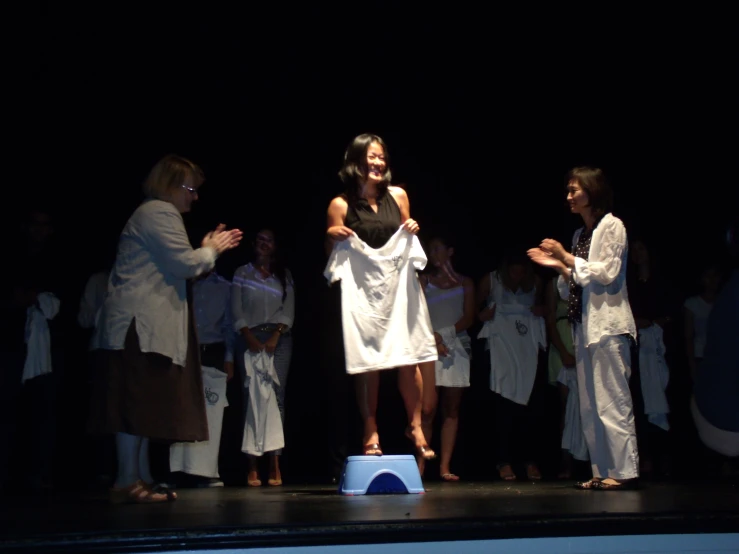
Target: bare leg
(275, 477)
(420, 403)
(429, 397)
(253, 478)
(367, 387)
(452, 398)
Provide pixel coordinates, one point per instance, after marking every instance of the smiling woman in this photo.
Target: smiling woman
(373, 211)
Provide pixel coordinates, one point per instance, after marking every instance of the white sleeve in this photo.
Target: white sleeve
(609, 258)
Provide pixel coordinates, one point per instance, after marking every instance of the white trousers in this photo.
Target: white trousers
(606, 408)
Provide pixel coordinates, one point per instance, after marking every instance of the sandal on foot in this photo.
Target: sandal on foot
(630, 485)
(449, 477)
(532, 472)
(424, 451)
(161, 488)
(372, 449)
(256, 482)
(506, 475)
(274, 482)
(593, 484)
(138, 493)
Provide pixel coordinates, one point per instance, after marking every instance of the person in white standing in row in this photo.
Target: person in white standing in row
(212, 307)
(263, 305)
(593, 280)
(451, 302)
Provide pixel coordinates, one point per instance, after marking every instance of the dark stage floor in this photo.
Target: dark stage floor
(316, 515)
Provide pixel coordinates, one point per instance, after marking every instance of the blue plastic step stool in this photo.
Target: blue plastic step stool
(380, 475)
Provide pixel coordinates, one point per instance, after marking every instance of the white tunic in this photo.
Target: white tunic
(514, 337)
(446, 308)
(201, 458)
(655, 375)
(384, 314)
(263, 427)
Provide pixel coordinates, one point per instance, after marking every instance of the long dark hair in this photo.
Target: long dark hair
(355, 167)
(277, 263)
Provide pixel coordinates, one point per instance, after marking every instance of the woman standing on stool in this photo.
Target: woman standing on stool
(593, 280)
(263, 306)
(374, 210)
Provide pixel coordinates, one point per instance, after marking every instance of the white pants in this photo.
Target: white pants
(606, 408)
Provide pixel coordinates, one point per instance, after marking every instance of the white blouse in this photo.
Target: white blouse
(605, 300)
(256, 299)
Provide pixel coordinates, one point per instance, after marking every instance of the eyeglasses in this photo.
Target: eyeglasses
(192, 190)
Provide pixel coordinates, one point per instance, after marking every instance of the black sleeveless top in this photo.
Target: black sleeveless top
(375, 229)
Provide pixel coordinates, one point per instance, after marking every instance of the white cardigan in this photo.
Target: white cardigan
(148, 282)
(605, 300)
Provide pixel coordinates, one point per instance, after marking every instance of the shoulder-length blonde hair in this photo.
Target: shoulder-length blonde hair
(170, 172)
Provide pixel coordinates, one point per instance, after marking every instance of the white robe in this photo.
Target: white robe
(201, 458)
(263, 430)
(573, 439)
(38, 338)
(515, 336)
(453, 370)
(655, 375)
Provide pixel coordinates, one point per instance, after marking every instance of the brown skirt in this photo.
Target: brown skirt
(145, 394)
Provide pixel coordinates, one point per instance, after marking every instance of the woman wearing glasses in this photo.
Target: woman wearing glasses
(149, 384)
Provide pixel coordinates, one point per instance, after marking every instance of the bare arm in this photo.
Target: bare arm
(335, 228)
(401, 197)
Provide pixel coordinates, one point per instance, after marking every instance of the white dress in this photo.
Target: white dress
(446, 307)
(514, 337)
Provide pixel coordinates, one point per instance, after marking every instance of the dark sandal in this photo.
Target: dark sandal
(588, 485)
(424, 451)
(160, 488)
(372, 449)
(138, 493)
(630, 485)
(450, 477)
